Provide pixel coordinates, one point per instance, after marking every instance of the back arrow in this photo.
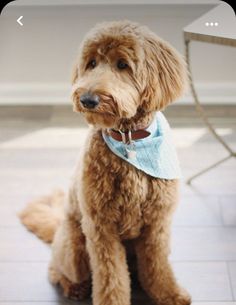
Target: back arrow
(19, 20)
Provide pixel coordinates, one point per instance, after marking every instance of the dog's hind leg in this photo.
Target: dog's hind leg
(69, 266)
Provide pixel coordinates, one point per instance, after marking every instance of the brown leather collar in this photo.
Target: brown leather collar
(135, 135)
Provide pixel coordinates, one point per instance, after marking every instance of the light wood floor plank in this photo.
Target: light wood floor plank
(232, 272)
(204, 244)
(19, 245)
(228, 208)
(205, 281)
(197, 210)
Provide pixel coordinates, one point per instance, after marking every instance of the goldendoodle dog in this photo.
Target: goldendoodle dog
(125, 188)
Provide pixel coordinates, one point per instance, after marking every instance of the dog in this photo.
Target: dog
(118, 206)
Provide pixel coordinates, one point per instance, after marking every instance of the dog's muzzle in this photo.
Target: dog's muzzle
(89, 100)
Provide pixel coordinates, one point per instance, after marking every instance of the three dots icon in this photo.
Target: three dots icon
(211, 24)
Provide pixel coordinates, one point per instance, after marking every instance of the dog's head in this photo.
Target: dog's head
(124, 68)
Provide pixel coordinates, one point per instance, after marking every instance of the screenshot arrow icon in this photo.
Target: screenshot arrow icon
(19, 20)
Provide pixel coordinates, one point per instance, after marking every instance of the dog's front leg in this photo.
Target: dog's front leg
(111, 283)
(155, 272)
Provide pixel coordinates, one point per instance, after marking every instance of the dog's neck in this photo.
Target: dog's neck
(140, 121)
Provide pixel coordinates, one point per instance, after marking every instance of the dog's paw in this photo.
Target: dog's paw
(180, 298)
(75, 291)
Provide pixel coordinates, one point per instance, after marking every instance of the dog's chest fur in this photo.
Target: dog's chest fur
(116, 192)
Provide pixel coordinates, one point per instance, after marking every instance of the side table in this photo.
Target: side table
(217, 26)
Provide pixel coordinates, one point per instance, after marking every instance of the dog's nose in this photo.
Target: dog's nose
(89, 100)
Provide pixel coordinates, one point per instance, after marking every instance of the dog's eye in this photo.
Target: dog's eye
(121, 64)
(92, 64)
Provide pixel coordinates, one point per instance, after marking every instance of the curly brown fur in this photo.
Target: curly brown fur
(111, 203)
(44, 215)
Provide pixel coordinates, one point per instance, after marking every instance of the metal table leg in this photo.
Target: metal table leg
(205, 119)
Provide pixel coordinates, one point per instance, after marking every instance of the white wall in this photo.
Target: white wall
(36, 59)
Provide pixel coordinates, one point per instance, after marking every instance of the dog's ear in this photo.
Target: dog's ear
(75, 74)
(166, 74)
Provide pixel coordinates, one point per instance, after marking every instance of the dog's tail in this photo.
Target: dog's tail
(44, 215)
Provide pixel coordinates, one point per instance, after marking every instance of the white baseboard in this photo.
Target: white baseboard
(212, 94)
(35, 94)
(59, 94)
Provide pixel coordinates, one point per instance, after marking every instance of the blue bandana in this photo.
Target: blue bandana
(155, 155)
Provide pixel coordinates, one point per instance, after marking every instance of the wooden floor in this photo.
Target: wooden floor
(38, 153)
